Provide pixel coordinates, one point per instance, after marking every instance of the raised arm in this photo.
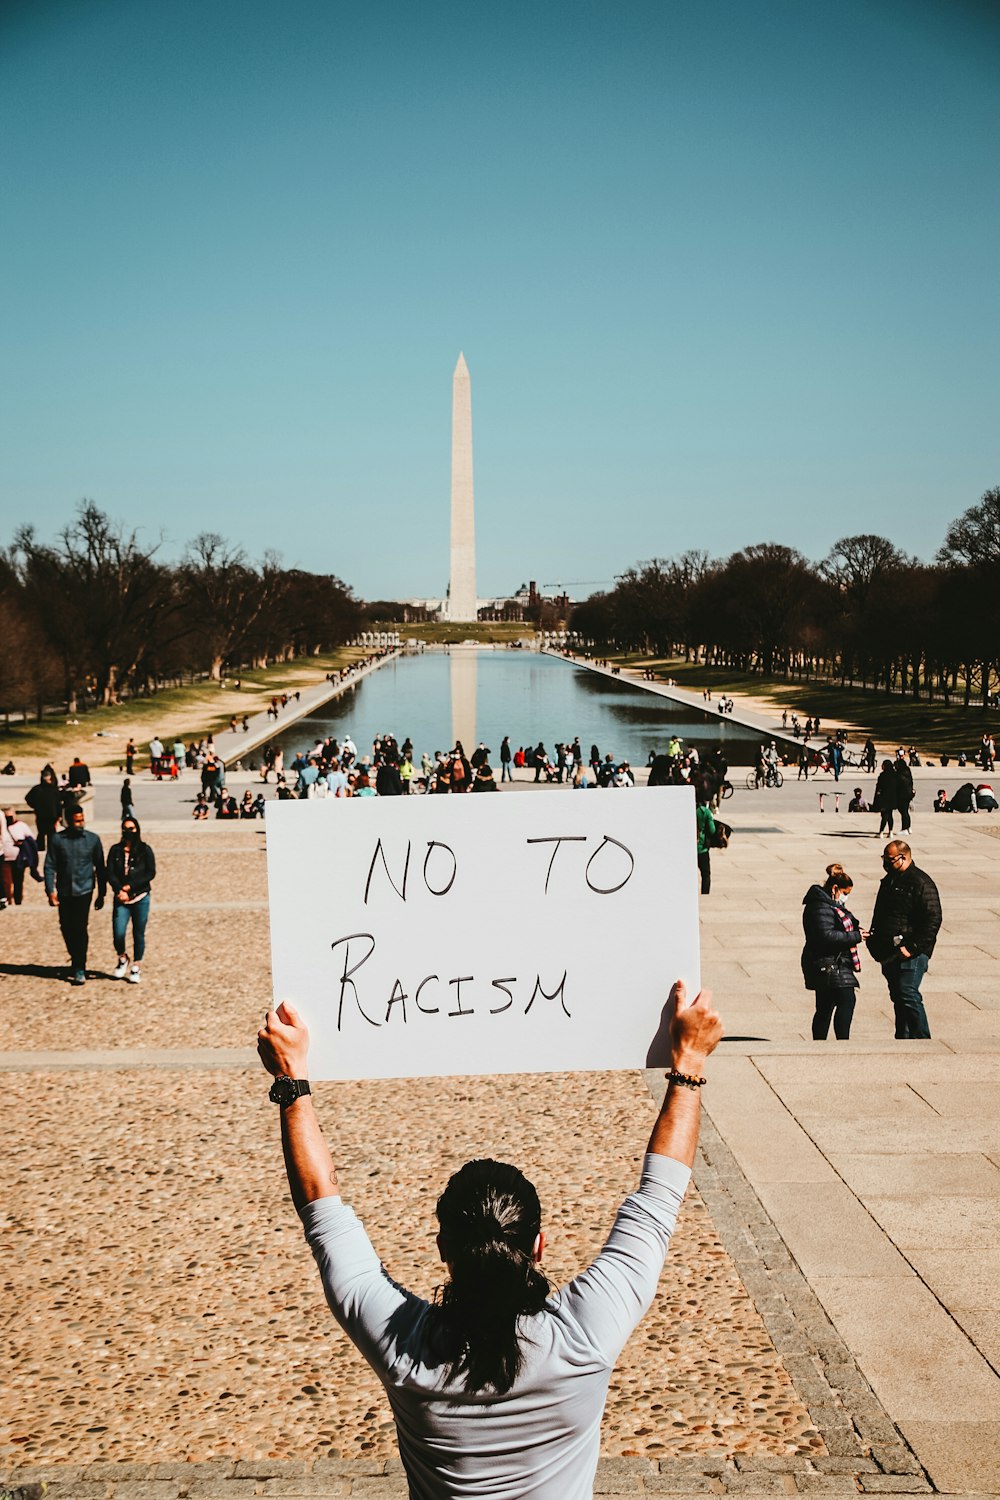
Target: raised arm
(283, 1046)
(695, 1030)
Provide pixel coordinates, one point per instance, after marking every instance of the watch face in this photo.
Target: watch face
(283, 1091)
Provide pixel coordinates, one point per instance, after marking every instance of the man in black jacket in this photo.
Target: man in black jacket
(74, 864)
(905, 926)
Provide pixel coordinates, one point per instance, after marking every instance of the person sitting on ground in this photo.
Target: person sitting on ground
(484, 780)
(941, 803)
(200, 810)
(857, 802)
(963, 799)
(228, 806)
(985, 797)
(248, 808)
(497, 1388)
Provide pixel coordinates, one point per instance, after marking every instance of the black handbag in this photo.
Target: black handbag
(720, 838)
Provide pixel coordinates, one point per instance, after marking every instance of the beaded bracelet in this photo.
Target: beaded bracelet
(686, 1080)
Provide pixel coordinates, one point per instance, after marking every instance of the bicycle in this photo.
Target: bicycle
(772, 777)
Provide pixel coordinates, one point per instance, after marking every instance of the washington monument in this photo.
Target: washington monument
(462, 585)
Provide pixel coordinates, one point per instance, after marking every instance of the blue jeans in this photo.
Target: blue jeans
(903, 976)
(506, 774)
(120, 918)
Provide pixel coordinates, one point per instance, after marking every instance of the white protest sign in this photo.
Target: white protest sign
(483, 934)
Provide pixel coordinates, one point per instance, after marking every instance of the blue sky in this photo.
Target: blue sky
(723, 272)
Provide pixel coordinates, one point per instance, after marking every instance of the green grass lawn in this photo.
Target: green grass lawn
(932, 727)
(101, 734)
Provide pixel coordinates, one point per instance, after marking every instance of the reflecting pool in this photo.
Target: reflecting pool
(437, 697)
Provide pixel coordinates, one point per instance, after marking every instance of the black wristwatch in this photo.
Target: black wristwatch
(285, 1090)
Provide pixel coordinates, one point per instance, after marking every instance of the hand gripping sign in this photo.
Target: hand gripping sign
(505, 934)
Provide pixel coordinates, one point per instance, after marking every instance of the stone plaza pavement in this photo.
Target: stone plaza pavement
(829, 1317)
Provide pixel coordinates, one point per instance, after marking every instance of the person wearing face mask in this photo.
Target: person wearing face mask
(74, 866)
(830, 963)
(131, 869)
(905, 925)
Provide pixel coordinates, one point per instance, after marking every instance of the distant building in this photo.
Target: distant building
(526, 603)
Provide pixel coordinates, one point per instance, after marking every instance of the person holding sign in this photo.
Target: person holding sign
(499, 1388)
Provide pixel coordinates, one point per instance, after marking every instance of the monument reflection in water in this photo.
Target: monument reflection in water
(464, 679)
(471, 694)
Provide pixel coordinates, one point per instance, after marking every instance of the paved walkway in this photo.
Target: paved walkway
(834, 1285)
(755, 713)
(234, 745)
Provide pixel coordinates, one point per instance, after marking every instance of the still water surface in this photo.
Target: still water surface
(470, 695)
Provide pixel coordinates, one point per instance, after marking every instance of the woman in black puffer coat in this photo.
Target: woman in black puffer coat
(830, 962)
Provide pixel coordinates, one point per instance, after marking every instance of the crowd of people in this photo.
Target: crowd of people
(335, 768)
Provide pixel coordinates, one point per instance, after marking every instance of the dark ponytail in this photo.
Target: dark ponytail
(490, 1217)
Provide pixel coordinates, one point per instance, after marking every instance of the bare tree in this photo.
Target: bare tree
(974, 538)
(223, 597)
(101, 597)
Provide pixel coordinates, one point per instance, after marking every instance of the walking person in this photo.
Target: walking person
(905, 925)
(499, 1387)
(884, 797)
(45, 801)
(125, 796)
(20, 853)
(830, 963)
(74, 867)
(705, 830)
(904, 793)
(131, 870)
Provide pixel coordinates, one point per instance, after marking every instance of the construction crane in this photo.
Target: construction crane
(575, 583)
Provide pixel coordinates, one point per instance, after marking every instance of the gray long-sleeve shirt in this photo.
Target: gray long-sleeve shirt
(541, 1440)
(73, 862)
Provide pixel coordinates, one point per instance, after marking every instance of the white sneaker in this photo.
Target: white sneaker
(122, 969)
(134, 976)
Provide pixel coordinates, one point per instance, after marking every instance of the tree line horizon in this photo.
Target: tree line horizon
(95, 615)
(868, 615)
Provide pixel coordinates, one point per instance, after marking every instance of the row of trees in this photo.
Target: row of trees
(868, 615)
(95, 614)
